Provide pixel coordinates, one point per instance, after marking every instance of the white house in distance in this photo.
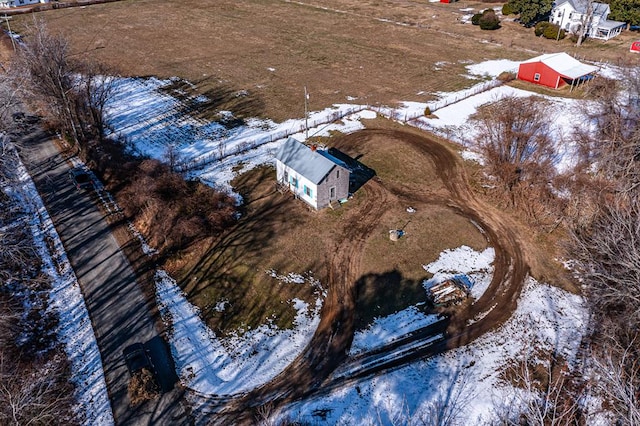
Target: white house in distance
(570, 15)
(314, 176)
(17, 3)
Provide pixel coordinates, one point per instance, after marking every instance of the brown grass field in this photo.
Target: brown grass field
(363, 51)
(343, 51)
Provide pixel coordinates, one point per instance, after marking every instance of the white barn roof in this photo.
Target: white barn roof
(564, 64)
(307, 162)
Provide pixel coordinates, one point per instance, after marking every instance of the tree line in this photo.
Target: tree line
(34, 371)
(72, 93)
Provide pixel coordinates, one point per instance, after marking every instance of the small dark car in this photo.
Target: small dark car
(81, 178)
(136, 358)
(142, 384)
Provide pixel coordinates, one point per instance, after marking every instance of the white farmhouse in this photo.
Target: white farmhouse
(571, 15)
(314, 176)
(4, 4)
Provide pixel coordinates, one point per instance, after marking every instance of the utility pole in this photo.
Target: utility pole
(13, 42)
(306, 113)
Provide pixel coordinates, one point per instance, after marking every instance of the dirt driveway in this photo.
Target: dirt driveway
(328, 347)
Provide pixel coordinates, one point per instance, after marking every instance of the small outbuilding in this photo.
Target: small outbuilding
(312, 175)
(555, 70)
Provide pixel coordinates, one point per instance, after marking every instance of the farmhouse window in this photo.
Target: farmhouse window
(337, 174)
(294, 182)
(307, 191)
(286, 176)
(536, 77)
(332, 193)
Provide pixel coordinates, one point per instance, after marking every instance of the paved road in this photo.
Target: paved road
(116, 305)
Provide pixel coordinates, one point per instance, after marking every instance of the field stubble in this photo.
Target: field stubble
(368, 52)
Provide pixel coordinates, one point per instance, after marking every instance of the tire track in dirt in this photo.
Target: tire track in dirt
(329, 344)
(334, 335)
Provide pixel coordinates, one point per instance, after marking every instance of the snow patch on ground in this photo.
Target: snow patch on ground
(214, 366)
(388, 329)
(463, 260)
(151, 121)
(468, 379)
(74, 330)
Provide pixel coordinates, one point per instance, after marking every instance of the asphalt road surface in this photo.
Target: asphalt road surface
(117, 306)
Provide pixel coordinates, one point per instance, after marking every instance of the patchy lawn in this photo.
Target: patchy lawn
(245, 270)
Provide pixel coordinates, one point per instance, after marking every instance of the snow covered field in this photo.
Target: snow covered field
(213, 366)
(467, 380)
(546, 317)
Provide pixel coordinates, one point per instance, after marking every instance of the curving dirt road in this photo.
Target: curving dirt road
(311, 371)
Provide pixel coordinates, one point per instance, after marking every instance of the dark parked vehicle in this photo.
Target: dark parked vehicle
(142, 385)
(81, 178)
(136, 358)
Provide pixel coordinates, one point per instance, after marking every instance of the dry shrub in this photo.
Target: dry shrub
(171, 212)
(142, 387)
(506, 76)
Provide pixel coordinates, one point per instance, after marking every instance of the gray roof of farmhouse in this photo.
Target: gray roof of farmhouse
(581, 6)
(313, 165)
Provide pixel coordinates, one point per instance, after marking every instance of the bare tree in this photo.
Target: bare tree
(617, 378)
(608, 260)
(547, 396)
(609, 149)
(29, 397)
(98, 87)
(587, 19)
(605, 243)
(515, 138)
(172, 157)
(45, 60)
(606, 246)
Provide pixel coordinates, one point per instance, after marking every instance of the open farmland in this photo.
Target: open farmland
(280, 234)
(374, 52)
(253, 58)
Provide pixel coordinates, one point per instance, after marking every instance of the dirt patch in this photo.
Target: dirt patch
(341, 311)
(246, 270)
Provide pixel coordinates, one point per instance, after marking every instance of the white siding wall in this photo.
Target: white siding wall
(570, 20)
(302, 183)
(565, 16)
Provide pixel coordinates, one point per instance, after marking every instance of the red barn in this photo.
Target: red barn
(555, 70)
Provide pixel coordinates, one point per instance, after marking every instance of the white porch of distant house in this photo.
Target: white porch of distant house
(17, 3)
